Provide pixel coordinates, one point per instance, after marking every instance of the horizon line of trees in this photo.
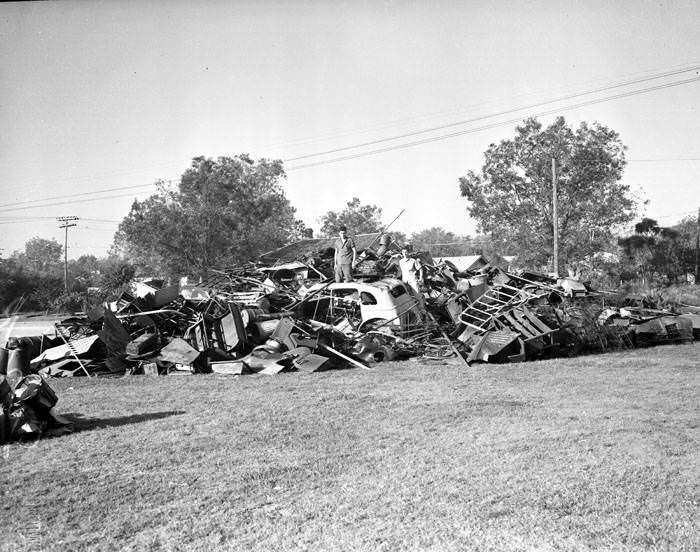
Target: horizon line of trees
(650, 254)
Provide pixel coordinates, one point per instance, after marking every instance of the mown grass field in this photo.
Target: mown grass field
(593, 453)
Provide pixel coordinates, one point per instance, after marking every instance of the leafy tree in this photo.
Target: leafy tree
(13, 285)
(687, 235)
(440, 243)
(655, 252)
(397, 237)
(511, 198)
(359, 219)
(116, 276)
(40, 256)
(31, 278)
(84, 272)
(225, 211)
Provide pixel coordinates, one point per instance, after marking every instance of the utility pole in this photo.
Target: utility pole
(555, 218)
(66, 224)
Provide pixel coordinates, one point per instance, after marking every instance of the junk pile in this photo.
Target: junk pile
(512, 318)
(286, 315)
(26, 412)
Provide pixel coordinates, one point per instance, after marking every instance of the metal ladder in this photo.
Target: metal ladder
(502, 297)
(59, 332)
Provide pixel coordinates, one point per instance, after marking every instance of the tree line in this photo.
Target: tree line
(33, 279)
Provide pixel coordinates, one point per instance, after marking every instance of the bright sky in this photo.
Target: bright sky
(115, 94)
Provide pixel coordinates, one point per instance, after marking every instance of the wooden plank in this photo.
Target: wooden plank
(513, 323)
(534, 331)
(536, 321)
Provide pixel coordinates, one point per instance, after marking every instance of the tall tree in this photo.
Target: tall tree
(84, 271)
(511, 198)
(40, 256)
(440, 242)
(224, 211)
(654, 252)
(115, 276)
(687, 229)
(360, 219)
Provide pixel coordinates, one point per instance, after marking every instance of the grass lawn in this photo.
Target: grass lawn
(593, 453)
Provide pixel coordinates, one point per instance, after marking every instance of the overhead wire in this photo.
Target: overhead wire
(676, 69)
(33, 203)
(70, 202)
(30, 201)
(82, 194)
(492, 115)
(491, 125)
(96, 176)
(2, 219)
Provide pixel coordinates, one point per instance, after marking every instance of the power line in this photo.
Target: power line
(30, 219)
(68, 202)
(31, 203)
(27, 202)
(472, 107)
(492, 115)
(112, 230)
(10, 220)
(492, 125)
(101, 175)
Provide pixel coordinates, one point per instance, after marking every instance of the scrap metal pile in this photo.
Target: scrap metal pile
(26, 412)
(283, 317)
(512, 318)
(241, 322)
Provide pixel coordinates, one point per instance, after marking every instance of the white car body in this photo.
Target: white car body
(384, 302)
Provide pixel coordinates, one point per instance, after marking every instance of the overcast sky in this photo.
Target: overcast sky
(109, 96)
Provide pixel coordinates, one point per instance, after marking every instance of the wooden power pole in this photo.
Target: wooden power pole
(555, 218)
(66, 224)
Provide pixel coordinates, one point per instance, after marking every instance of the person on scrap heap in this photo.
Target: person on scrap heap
(412, 272)
(345, 254)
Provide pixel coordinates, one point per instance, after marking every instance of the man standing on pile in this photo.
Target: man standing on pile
(412, 272)
(345, 254)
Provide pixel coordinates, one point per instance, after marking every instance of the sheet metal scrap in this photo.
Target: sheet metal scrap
(562, 318)
(26, 412)
(282, 317)
(663, 329)
(496, 346)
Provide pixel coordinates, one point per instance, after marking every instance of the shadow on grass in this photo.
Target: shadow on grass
(88, 424)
